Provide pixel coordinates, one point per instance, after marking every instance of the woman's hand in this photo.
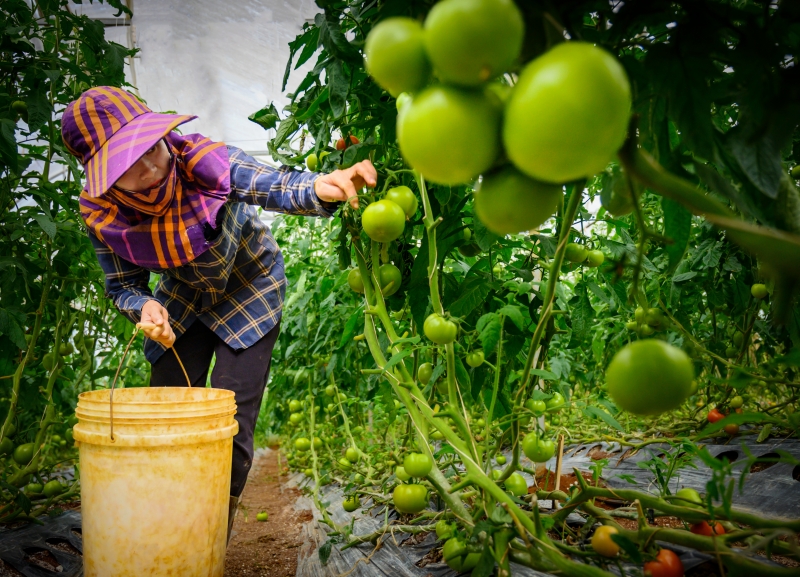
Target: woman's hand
(155, 323)
(344, 184)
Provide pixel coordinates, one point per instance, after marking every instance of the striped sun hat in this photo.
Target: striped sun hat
(109, 129)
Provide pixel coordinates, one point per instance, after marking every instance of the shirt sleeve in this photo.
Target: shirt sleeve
(126, 283)
(276, 189)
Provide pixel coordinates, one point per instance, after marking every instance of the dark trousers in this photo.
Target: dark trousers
(244, 372)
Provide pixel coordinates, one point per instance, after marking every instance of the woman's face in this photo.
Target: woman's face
(149, 171)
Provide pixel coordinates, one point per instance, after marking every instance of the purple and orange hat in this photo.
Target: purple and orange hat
(108, 130)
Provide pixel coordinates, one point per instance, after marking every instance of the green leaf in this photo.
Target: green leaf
(462, 376)
(581, 317)
(677, 226)
(474, 291)
(488, 328)
(266, 118)
(332, 38)
(684, 276)
(8, 144)
(47, 224)
(323, 95)
(631, 549)
(543, 374)
(287, 127)
(515, 314)
(298, 292)
(483, 236)
(396, 358)
(600, 293)
(325, 552)
(39, 108)
(759, 157)
(602, 415)
(485, 566)
(12, 324)
(339, 86)
(350, 327)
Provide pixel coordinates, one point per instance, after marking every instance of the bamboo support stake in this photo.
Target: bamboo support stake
(559, 457)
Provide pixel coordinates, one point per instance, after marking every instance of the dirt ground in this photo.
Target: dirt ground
(267, 549)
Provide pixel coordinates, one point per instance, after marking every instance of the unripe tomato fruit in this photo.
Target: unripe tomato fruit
(262, 516)
(66, 349)
(417, 464)
(707, 529)
(553, 136)
(355, 281)
(351, 503)
(516, 485)
(400, 473)
(501, 459)
(444, 530)
(317, 443)
(759, 291)
(689, 494)
(295, 406)
(330, 390)
(461, 563)
(538, 408)
(440, 330)
(383, 221)
(394, 55)
(351, 454)
(536, 449)
(432, 134)
(410, 498)
(34, 488)
(424, 373)
(509, 202)
(576, 252)
(602, 542)
(391, 277)
(594, 259)
(23, 454)
(666, 564)
(475, 359)
(736, 402)
(715, 415)
(308, 472)
(311, 162)
(6, 446)
(53, 488)
(555, 402)
(472, 41)
(405, 198)
(649, 377)
(345, 464)
(437, 436)
(302, 444)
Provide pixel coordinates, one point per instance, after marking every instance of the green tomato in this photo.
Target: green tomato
(394, 55)
(444, 530)
(351, 503)
(537, 407)
(475, 359)
(308, 472)
(330, 391)
(736, 402)
(302, 444)
(417, 464)
(405, 198)
(555, 402)
(356, 284)
(595, 258)
(437, 436)
(23, 454)
(295, 418)
(53, 488)
(649, 377)
(516, 485)
(536, 449)
(440, 330)
(401, 473)
(759, 291)
(391, 277)
(383, 221)
(555, 137)
(424, 373)
(262, 516)
(351, 454)
(311, 162)
(690, 495)
(456, 557)
(295, 406)
(501, 459)
(576, 252)
(410, 498)
(34, 488)
(345, 464)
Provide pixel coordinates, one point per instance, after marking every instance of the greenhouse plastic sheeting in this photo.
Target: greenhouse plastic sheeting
(774, 491)
(18, 545)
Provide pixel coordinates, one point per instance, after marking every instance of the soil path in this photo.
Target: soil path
(266, 549)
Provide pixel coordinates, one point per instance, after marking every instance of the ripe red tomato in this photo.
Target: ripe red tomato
(706, 529)
(341, 144)
(731, 429)
(666, 564)
(715, 415)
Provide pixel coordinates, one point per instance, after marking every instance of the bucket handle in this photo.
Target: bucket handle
(139, 326)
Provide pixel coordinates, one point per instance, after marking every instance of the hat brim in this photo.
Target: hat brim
(126, 147)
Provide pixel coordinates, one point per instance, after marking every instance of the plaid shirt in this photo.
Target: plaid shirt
(236, 287)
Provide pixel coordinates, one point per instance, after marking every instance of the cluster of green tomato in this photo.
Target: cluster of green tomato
(457, 120)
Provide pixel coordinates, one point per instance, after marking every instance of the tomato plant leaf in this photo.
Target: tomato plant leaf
(488, 328)
(8, 144)
(267, 118)
(396, 358)
(677, 226)
(581, 316)
(515, 314)
(631, 549)
(543, 374)
(339, 86)
(603, 416)
(474, 291)
(12, 324)
(485, 566)
(483, 236)
(684, 276)
(47, 224)
(462, 376)
(350, 327)
(759, 157)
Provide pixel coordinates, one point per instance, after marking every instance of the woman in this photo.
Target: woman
(182, 207)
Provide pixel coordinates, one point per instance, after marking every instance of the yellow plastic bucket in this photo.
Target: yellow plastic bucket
(155, 497)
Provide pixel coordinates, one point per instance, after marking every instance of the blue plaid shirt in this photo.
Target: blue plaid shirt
(236, 287)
